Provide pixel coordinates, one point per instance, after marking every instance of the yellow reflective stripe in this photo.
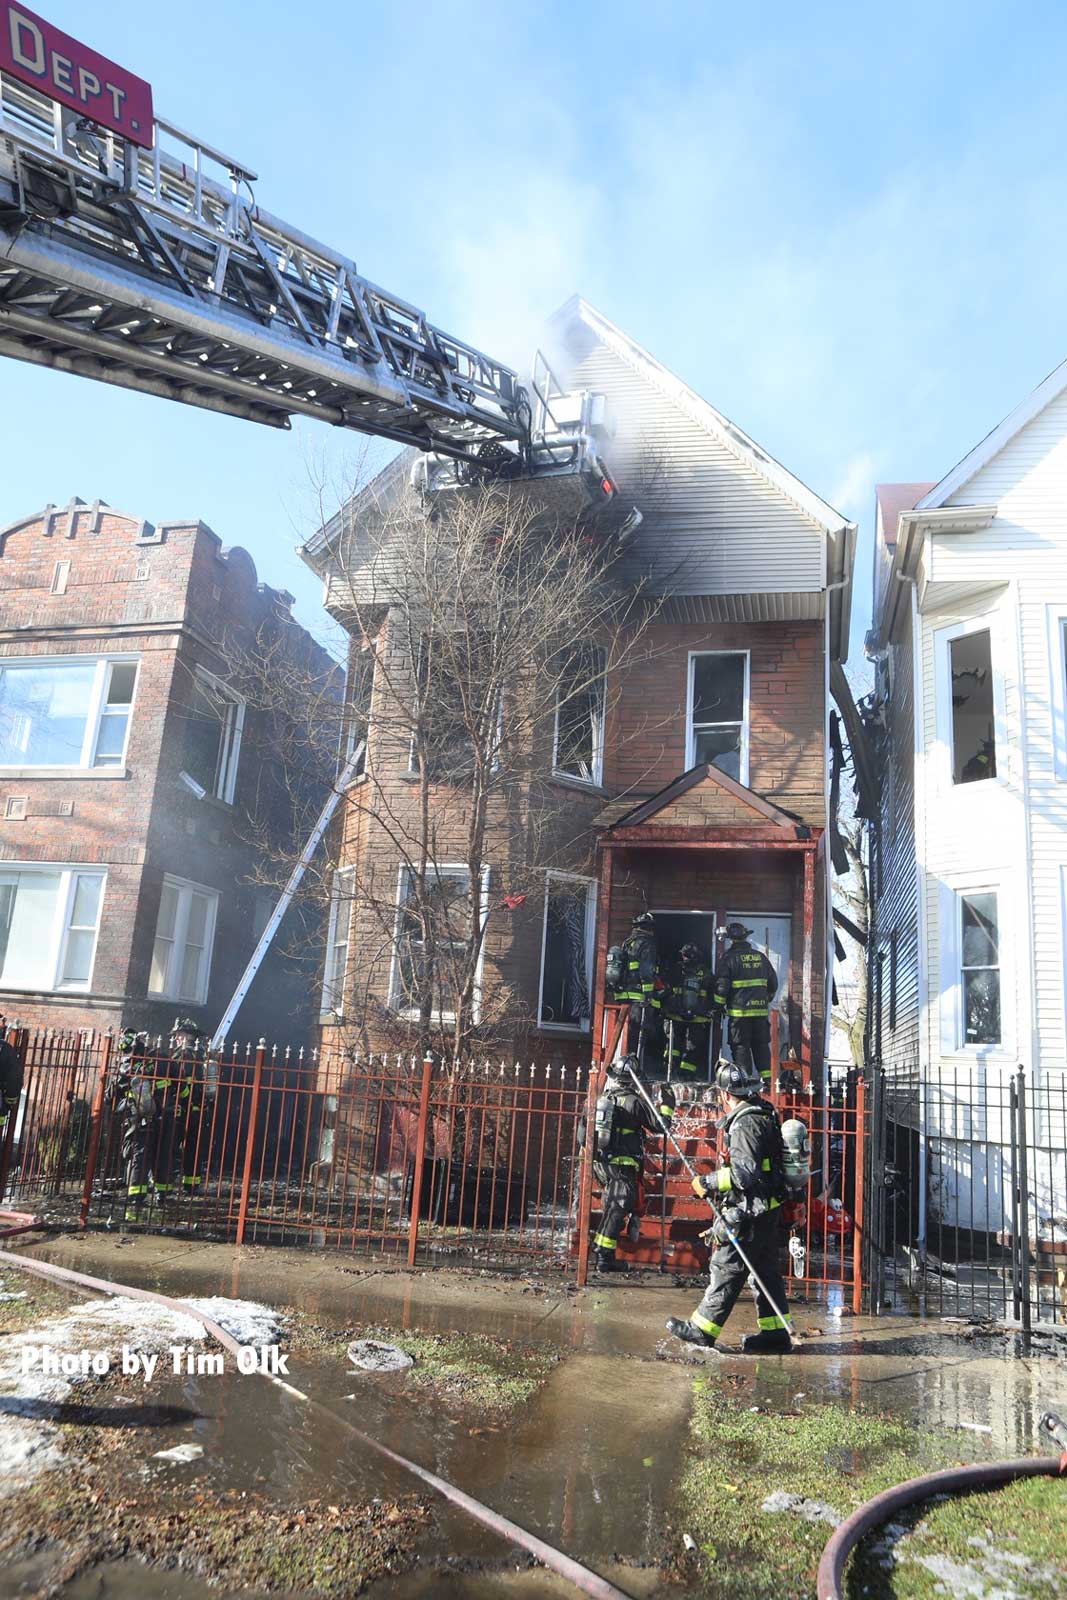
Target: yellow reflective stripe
(725, 1178)
(773, 1205)
(746, 1011)
(666, 1112)
(769, 1324)
(705, 1325)
(746, 983)
(766, 1163)
(602, 1241)
(622, 1161)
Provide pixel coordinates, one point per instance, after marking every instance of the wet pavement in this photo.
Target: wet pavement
(589, 1463)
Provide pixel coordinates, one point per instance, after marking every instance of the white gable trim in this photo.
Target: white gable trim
(747, 451)
(995, 441)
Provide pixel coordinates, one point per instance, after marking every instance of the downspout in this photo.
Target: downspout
(828, 987)
(918, 697)
(1028, 842)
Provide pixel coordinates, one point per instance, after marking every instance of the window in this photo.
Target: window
(355, 720)
(420, 962)
(69, 713)
(979, 946)
(457, 709)
(718, 712)
(215, 720)
(337, 937)
(49, 918)
(567, 952)
(185, 934)
(974, 753)
(60, 574)
(578, 745)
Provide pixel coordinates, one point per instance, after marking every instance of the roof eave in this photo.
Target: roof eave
(911, 531)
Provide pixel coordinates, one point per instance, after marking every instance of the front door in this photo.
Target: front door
(675, 928)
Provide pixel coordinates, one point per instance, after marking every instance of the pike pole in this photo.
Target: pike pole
(716, 1213)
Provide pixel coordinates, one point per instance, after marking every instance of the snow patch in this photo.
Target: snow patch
(29, 1437)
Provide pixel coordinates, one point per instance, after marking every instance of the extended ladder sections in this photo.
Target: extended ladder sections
(155, 269)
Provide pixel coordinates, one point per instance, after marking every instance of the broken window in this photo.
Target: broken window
(567, 953)
(974, 753)
(980, 967)
(718, 716)
(432, 935)
(214, 723)
(579, 736)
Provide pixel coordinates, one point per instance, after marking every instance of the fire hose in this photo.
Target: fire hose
(583, 1579)
(716, 1213)
(953, 1481)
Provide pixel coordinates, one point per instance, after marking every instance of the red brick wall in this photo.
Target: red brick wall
(164, 594)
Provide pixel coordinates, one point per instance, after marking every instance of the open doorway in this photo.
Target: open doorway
(675, 928)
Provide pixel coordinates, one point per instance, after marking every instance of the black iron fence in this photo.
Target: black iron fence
(967, 1194)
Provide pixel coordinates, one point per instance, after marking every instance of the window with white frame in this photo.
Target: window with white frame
(73, 712)
(185, 936)
(578, 743)
(337, 937)
(355, 722)
(214, 724)
(433, 932)
(49, 920)
(978, 944)
(567, 952)
(974, 746)
(717, 730)
(1057, 654)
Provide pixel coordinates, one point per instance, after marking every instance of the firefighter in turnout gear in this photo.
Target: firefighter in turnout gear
(748, 1189)
(190, 1094)
(745, 985)
(135, 1103)
(687, 1004)
(622, 1121)
(641, 985)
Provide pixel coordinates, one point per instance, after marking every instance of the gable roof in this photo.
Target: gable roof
(739, 798)
(838, 533)
(997, 438)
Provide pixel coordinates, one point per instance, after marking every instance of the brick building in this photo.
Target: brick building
(132, 772)
(694, 783)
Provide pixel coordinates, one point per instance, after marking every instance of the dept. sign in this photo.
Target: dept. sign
(38, 54)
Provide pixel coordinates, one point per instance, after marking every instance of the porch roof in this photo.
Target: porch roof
(703, 807)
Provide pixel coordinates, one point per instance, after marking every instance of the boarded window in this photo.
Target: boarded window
(974, 753)
(980, 967)
(567, 953)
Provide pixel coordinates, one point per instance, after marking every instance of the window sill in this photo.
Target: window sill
(68, 992)
(567, 780)
(981, 1055)
(173, 999)
(93, 774)
(564, 1030)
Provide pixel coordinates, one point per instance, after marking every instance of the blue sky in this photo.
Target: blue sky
(847, 230)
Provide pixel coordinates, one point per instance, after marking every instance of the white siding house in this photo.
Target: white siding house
(970, 608)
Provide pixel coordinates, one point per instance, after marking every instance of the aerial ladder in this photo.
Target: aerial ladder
(141, 257)
(135, 254)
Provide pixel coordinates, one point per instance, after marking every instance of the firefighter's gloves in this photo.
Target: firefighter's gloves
(700, 1188)
(722, 1181)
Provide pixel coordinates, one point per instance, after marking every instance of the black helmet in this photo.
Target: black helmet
(130, 1040)
(737, 930)
(620, 1068)
(187, 1025)
(644, 919)
(738, 1078)
(689, 953)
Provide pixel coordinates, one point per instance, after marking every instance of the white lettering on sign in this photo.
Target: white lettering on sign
(22, 29)
(61, 70)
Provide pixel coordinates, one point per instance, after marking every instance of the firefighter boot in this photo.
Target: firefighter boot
(606, 1262)
(768, 1342)
(689, 1332)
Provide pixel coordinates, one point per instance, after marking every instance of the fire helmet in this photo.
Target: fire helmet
(738, 1078)
(737, 930)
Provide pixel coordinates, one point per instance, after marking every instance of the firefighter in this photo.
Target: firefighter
(10, 1079)
(641, 985)
(687, 1004)
(135, 1103)
(749, 1189)
(745, 983)
(189, 1069)
(622, 1120)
